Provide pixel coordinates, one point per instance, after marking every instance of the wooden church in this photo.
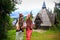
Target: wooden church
(47, 17)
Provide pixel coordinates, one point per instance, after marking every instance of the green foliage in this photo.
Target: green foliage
(56, 10)
(56, 27)
(31, 14)
(25, 18)
(3, 24)
(9, 24)
(6, 6)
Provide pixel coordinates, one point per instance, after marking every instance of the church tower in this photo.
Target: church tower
(44, 5)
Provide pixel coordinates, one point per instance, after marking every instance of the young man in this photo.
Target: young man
(19, 28)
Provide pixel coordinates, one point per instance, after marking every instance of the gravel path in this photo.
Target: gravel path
(39, 30)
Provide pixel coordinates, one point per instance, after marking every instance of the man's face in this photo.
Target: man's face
(21, 17)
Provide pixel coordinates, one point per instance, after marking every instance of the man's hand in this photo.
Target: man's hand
(17, 28)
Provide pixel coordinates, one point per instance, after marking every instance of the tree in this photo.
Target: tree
(31, 14)
(56, 10)
(6, 6)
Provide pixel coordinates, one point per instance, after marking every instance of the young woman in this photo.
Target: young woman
(19, 28)
(28, 28)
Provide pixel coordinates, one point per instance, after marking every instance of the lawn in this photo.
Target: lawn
(48, 35)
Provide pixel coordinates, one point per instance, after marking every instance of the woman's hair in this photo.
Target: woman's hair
(16, 21)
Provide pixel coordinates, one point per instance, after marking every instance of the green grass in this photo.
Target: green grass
(11, 35)
(48, 35)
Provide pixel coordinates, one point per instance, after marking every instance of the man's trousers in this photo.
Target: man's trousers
(19, 35)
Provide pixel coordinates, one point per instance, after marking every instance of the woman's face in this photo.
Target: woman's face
(28, 16)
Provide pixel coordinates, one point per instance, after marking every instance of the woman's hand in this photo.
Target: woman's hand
(22, 27)
(33, 25)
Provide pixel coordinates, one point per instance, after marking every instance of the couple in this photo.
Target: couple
(20, 27)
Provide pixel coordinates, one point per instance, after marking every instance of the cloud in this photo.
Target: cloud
(15, 14)
(34, 5)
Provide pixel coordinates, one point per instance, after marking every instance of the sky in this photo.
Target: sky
(34, 5)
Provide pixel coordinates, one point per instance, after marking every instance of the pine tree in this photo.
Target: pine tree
(57, 11)
(31, 14)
